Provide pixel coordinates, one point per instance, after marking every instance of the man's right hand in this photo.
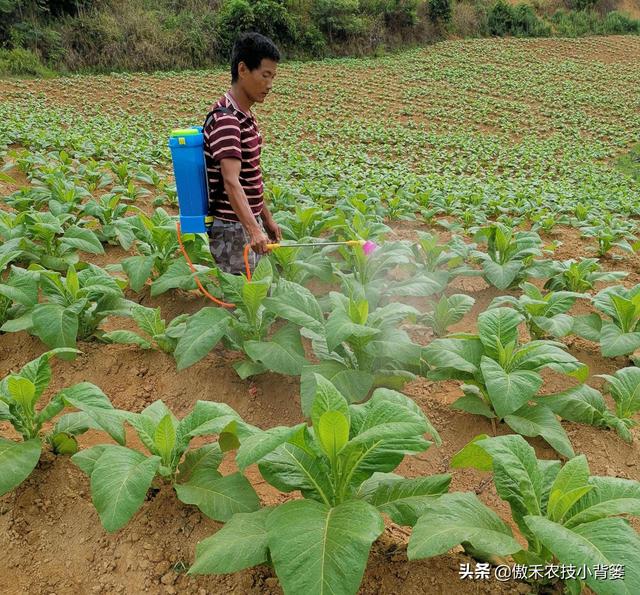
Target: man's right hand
(258, 240)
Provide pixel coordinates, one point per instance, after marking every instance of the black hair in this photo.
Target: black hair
(252, 48)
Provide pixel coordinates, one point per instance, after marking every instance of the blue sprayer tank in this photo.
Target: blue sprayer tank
(187, 153)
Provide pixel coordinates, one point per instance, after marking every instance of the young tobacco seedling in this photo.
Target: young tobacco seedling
(161, 336)
(193, 473)
(509, 254)
(110, 213)
(157, 242)
(570, 275)
(447, 311)
(343, 466)
(19, 397)
(501, 376)
(566, 515)
(612, 234)
(52, 240)
(545, 315)
(620, 335)
(584, 404)
(73, 306)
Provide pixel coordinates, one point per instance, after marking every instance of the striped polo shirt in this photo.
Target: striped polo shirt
(232, 136)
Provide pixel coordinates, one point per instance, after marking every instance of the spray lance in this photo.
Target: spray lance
(187, 154)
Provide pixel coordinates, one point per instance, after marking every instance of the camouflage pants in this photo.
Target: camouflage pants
(227, 240)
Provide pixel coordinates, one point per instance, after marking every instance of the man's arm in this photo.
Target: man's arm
(240, 205)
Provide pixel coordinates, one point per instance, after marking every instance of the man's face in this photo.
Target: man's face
(257, 83)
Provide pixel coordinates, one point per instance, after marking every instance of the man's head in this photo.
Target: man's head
(253, 65)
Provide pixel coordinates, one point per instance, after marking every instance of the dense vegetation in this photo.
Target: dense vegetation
(108, 35)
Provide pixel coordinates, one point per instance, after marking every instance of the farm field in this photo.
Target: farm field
(502, 300)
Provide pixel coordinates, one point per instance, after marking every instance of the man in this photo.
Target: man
(232, 145)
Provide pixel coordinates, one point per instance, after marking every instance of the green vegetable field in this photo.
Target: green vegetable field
(455, 412)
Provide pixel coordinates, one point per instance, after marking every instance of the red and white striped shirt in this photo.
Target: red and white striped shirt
(237, 137)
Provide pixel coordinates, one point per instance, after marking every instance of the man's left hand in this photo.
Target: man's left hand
(273, 230)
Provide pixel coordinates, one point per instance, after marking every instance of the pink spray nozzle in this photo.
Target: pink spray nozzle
(369, 247)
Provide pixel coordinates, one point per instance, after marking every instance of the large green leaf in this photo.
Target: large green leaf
(290, 468)
(91, 400)
(138, 269)
(55, 325)
(588, 326)
(462, 354)
(354, 385)
(498, 325)
(283, 354)
(610, 496)
(541, 421)
(570, 485)
(508, 391)
(178, 275)
(219, 497)
(203, 331)
(456, 518)
(119, 484)
(297, 304)
(241, 543)
(82, 239)
(501, 276)
(200, 461)
(615, 342)
(581, 404)
(603, 542)
(516, 474)
(253, 448)
(319, 550)
(87, 458)
(340, 327)
(404, 500)
(17, 461)
(473, 455)
(21, 287)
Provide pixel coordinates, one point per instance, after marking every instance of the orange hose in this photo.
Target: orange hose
(246, 261)
(193, 270)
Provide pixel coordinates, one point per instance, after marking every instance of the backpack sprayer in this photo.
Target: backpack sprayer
(189, 168)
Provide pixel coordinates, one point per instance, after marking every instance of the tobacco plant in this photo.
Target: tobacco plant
(343, 467)
(501, 375)
(620, 333)
(192, 472)
(20, 395)
(545, 314)
(567, 516)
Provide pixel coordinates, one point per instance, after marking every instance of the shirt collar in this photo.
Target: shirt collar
(234, 103)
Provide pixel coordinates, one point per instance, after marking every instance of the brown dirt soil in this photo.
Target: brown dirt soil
(52, 510)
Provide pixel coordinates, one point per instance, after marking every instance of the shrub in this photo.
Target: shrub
(440, 11)
(339, 19)
(468, 20)
(519, 20)
(21, 62)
